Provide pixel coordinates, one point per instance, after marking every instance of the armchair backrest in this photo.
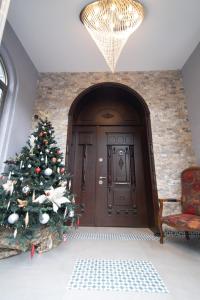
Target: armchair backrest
(190, 182)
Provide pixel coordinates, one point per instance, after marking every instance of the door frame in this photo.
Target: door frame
(152, 205)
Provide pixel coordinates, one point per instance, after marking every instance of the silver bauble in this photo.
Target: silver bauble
(29, 166)
(13, 218)
(26, 189)
(47, 150)
(48, 172)
(44, 218)
(71, 214)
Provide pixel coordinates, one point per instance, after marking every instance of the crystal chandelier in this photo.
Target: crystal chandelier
(4, 6)
(111, 23)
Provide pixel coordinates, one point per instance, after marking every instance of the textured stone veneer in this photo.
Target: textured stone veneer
(164, 94)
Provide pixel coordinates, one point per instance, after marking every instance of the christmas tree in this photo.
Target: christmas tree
(36, 188)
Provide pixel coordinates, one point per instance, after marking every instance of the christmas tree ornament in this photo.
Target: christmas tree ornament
(56, 196)
(29, 166)
(22, 203)
(46, 160)
(8, 205)
(41, 153)
(50, 131)
(9, 186)
(47, 150)
(48, 172)
(13, 218)
(41, 134)
(58, 170)
(42, 158)
(33, 196)
(32, 251)
(59, 160)
(45, 142)
(21, 178)
(15, 233)
(54, 160)
(65, 213)
(12, 172)
(26, 189)
(70, 185)
(37, 170)
(59, 152)
(62, 170)
(44, 218)
(71, 214)
(41, 183)
(26, 220)
(9, 176)
(32, 143)
(21, 164)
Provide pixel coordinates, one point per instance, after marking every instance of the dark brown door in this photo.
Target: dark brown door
(109, 176)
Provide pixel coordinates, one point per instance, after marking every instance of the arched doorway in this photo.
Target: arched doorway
(111, 159)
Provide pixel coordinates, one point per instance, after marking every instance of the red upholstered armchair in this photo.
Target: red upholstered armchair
(189, 219)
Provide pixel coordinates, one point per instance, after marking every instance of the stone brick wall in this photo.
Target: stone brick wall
(164, 94)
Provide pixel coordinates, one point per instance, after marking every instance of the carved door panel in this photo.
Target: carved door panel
(84, 172)
(120, 187)
(109, 176)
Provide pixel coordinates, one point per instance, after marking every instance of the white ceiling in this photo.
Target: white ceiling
(56, 40)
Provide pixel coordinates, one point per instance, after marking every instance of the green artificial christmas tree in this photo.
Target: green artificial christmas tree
(36, 188)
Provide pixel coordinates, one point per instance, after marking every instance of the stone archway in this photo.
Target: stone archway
(112, 111)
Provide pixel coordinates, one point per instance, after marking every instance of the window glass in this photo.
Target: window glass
(3, 85)
(3, 75)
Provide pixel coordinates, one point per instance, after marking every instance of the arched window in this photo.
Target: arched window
(3, 85)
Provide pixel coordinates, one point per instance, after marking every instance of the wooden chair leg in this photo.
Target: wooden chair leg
(187, 235)
(161, 233)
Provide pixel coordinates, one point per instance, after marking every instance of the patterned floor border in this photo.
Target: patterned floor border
(136, 236)
(116, 276)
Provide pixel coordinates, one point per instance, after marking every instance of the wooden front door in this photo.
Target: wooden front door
(109, 180)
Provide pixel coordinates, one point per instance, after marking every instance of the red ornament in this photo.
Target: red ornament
(37, 170)
(32, 251)
(54, 160)
(62, 170)
(59, 151)
(41, 134)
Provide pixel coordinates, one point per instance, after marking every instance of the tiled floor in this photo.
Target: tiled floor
(47, 276)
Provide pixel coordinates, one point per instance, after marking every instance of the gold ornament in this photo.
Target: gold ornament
(22, 203)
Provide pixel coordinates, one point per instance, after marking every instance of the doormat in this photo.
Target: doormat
(136, 236)
(116, 276)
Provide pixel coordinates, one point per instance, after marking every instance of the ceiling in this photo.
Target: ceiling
(56, 40)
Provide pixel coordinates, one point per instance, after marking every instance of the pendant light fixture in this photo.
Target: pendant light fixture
(110, 23)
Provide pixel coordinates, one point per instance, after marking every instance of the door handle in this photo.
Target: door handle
(122, 183)
(102, 177)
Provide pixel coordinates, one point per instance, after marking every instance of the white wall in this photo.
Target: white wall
(191, 80)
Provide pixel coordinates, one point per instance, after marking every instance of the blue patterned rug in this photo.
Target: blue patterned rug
(116, 276)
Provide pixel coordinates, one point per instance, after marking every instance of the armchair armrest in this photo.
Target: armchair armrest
(162, 201)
